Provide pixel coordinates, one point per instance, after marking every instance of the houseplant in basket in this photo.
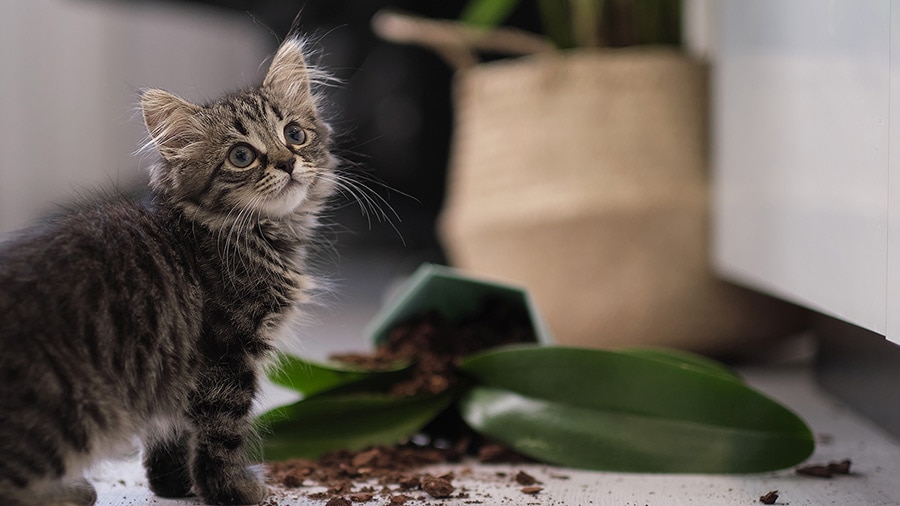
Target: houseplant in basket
(580, 171)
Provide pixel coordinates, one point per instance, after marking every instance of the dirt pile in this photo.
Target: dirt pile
(434, 347)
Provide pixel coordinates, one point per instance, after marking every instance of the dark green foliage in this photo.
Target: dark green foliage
(586, 23)
(636, 410)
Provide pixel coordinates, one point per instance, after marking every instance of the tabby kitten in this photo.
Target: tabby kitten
(153, 319)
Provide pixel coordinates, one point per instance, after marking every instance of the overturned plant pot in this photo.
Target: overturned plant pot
(452, 295)
(583, 177)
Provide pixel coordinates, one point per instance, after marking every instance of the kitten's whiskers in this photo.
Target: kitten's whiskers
(369, 201)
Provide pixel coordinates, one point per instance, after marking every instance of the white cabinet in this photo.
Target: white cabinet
(806, 153)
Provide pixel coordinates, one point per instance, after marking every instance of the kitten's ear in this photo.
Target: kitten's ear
(288, 75)
(171, 122)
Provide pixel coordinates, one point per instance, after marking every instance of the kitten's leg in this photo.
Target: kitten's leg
(166, 462)
(220, 414)
(70, 493)
(12, 494)
(50, 493)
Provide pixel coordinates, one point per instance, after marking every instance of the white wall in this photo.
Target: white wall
(806, 162)
(70, 72)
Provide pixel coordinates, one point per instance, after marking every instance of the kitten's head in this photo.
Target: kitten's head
(264, 151)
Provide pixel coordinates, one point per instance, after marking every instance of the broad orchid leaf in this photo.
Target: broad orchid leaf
(312, 427)
(626, 412)
(683, 359)
(310, 378)
(611, 440)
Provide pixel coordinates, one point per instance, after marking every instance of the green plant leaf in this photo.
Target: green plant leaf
(487, 13)
(310, 378)
(312, 427)
(696, 421)
(683, 359)
(611, 440)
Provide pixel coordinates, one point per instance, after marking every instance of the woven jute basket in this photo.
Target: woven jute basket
(582, 175)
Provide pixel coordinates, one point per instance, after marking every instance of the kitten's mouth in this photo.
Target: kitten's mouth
(292, 194)
(304, 181)
(293, 185)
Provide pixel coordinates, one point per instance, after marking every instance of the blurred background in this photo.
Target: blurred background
(580, 175)
(75, 68)
(69, 124)
(72, 71)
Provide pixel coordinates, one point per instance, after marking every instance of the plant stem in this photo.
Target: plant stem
(586, 17)
(555, 19)
(488, 13)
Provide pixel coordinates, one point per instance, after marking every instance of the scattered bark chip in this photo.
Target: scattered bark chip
(826, 471)
(365, 458)
(437, 486)
(361, 497)
(409, 482)
(338, 501)
(492, 453)
(531, 490)
(769, 498)
(815, 470)
(840, 467)
(523, 478)
(292, 481)
(399, 499)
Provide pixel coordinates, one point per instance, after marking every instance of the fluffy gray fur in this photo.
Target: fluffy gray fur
(153, 319)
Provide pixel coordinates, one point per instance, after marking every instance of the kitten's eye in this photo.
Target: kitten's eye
(293, 134)
(241, 156)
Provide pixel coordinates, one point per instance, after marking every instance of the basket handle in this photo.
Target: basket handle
(457, 43)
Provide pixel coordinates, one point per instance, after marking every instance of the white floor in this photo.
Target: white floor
(841, 433)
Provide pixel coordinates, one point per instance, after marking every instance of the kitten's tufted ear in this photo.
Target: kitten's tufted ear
(172, 122)
(288, 75)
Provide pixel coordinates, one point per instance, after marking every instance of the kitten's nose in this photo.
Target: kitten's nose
(285, 165)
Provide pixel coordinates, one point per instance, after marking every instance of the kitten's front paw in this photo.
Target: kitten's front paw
(66, 493)
(239, 492)
(173, 485)
(166, 462)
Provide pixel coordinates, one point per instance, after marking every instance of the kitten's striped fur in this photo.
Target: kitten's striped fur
(153, 319)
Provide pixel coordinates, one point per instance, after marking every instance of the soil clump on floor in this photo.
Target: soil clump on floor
(434, 347)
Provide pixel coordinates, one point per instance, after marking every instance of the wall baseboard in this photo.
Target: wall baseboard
(860, 367)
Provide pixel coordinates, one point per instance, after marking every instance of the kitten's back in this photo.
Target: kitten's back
(96, 308)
